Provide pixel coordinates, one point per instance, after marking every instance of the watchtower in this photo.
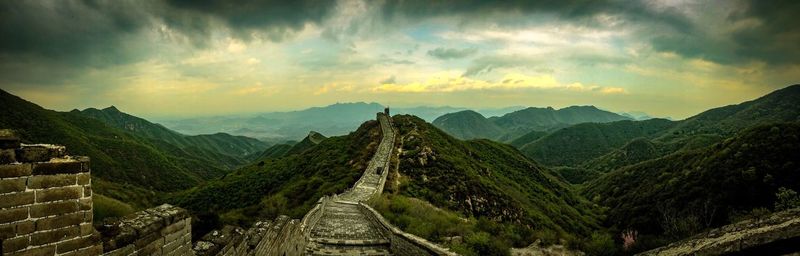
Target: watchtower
(386, 111)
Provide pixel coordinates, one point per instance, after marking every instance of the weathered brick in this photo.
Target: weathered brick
(7, 156)
(171, 246)
(50, 181)
(87, 191)
(15, 244)
(54, 208)
(16, 199)
(146, 239)
(60, 167)
(14, 214)
(7, 231)
(59, 221)
(78, 243)
(85, 203)
(25, 227)
(41, 251)
(40, 238)
(54, 194)
(12, 185)
(91, 251)
(15, 170)
(86, 229)
(88, 216)
(172, 237)
(174, 227)
(84, 178)
(39, 153)
(153, 248)
(124, 251)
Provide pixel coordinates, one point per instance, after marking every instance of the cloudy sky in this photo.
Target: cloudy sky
(187, 58)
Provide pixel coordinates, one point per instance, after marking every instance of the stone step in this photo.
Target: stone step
(315, 248)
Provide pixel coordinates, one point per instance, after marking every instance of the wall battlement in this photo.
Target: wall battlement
(162, 230)
(45, 201)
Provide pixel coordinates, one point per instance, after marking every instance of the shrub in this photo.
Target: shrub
(786, 199)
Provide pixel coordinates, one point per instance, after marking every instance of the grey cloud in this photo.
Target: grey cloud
(488, 63)
(274, 18)
(575, 10)
(451, 53)
(389, 80)
(36, 36)
(774, 41)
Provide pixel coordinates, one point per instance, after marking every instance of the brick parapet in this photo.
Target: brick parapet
(45, 201)
(162, 230)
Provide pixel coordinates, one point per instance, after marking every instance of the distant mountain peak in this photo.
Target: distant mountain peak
(111, 108)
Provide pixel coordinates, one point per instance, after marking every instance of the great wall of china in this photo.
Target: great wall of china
(46, 209)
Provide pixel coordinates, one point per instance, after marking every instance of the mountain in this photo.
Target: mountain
(226, 149)
(635, 151)
(679, 194)
(290, 184)
(582, 143)
(778, 106)
(511, 126)
(313, 139)
(544, 119)
(477, 179)
(425, 112)
(467, 124)
(576, 144)
(336, 119)
(124, 166)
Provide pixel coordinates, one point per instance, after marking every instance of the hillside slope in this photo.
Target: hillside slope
(582, 143)
(467, 124)
(117, 157)
(483, 179)
(576, 144)
(681, 193)
(286, 185)
(512, 126)
(226, 149)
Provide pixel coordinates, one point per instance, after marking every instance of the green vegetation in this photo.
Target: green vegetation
(682, 193)
(104, 207)
(481, 179)
(510, 127)
(468, 124)
(128, 166)
(288, 185)
(308, 142)
(226, 150)
(579, 143)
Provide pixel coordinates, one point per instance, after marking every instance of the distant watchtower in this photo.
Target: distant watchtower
(386, 111)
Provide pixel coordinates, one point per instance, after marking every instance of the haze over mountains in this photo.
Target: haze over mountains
(578, 174)
(294, 125)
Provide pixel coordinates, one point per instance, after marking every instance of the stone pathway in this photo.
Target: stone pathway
(343, 229)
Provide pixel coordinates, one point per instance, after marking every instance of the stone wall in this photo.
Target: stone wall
(45, 201)
(776, 234)
(162, 230)
(403, 243)
(283, 236)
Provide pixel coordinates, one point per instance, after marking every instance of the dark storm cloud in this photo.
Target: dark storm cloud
(277, 17)
(451, 53)
(774, 40)
(78, 32)
(73, 35)
(576, 10)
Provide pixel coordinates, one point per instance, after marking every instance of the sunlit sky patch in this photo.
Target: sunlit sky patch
(189, 58)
